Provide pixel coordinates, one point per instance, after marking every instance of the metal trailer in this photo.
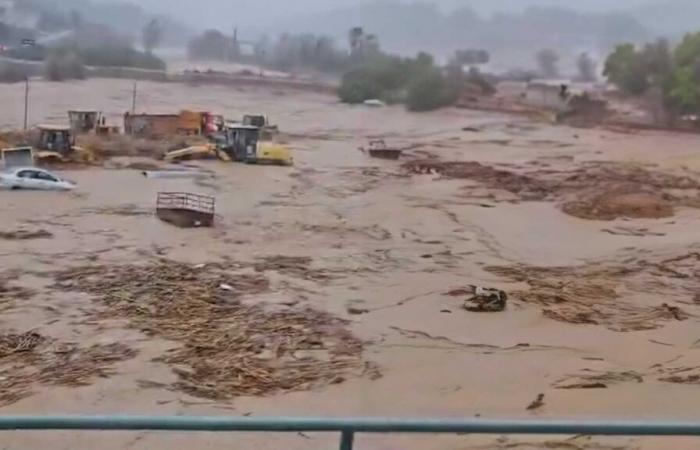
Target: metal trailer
(185, 210)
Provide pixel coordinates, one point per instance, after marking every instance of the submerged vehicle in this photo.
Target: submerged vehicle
(34, 178)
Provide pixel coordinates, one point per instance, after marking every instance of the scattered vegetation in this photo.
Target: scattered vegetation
(547, 60)
(120, 57)
(102, 56)
(287, 52)
(429, 90)
(657, 69)
(417, 82)
(211, 45)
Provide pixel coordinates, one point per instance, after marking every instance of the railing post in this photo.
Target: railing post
(346, 439)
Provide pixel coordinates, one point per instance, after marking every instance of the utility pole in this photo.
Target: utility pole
(133, 100)
(26, 100)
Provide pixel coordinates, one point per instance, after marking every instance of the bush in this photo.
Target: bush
(11, 74)
(121, 57)
(358, 86)
(383, 77)
(429, 91)
(476, 78)
(415, 81)
(61, 66)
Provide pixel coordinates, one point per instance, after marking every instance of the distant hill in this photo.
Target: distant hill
(512, 37)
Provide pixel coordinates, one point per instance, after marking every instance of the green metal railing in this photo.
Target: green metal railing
(348, 427)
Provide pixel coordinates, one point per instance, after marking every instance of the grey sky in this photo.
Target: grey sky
(668, 18)
(225, 13)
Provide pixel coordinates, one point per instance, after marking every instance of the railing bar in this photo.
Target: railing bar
(346, 440)
(480, 426)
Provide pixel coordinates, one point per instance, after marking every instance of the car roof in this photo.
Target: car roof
(51, 127)
(19, 169)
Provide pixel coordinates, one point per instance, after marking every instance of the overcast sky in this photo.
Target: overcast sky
(226, 13)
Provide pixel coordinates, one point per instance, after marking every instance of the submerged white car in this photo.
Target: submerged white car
(33, 178)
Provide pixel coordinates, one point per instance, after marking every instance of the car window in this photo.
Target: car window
(26, 174)
(45, 176)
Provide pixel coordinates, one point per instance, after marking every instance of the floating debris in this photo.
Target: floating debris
(29, 359)
(229, 347)
(481, 299)
(21, 235)
(603, 293)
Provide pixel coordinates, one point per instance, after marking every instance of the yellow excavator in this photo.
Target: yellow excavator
(242, 143)
(239, 143)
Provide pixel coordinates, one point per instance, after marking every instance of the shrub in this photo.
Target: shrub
(429, 91)
(358, 86)
(383, 77)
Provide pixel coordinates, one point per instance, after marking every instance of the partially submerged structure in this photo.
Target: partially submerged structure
(379, 149)
(581, 102)
(84, 121)
(185, 210)
(549, 94)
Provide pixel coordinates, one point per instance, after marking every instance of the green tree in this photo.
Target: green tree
(626, 69)
(357, 86)
(429, 90)
(685, 90)
(688, 51)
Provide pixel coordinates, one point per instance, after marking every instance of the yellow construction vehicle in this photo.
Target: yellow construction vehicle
(242, 143)
(57, 142)
(267, 130)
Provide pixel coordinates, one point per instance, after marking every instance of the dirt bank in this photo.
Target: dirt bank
(594, 191)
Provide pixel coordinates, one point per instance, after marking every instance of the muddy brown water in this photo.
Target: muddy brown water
(392, 244)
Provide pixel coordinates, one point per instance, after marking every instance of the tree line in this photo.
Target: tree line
(669, 75)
